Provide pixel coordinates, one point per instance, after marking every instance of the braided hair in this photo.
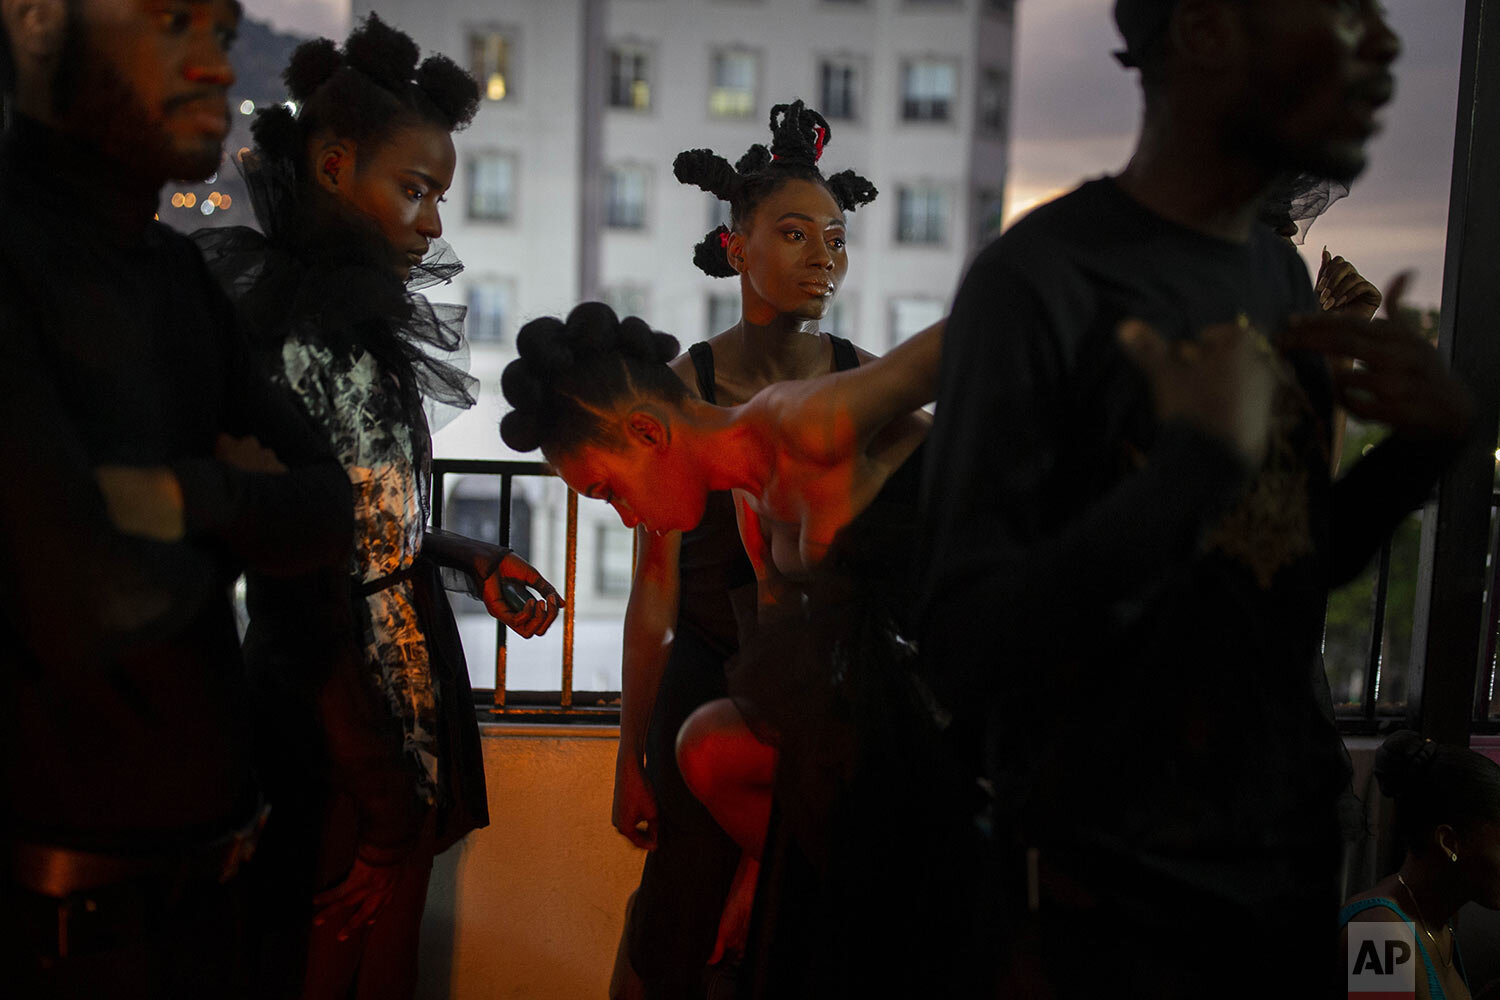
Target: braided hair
(370, 88)
(1433, 784)
(571, 373)
(798, 137)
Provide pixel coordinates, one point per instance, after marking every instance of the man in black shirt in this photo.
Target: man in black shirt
(1150, 556)
(144, 464)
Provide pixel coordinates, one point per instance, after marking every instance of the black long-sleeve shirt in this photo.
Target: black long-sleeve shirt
(1137, 615)
(123, 722)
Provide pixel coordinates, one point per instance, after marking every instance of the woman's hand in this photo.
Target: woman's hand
(1385, 372)
(512, 573)
(1344, 290)
(1222, 382)
(355, 902)
(634, 810)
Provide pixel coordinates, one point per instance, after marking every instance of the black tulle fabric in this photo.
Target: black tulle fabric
(862, 888)
(318, 266)
(1298, 199)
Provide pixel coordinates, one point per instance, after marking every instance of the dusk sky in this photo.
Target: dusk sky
(1076, 111)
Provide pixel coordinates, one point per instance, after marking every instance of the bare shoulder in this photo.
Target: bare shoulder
(1375, 914)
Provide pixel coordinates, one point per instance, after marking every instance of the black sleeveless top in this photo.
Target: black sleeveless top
(717, 580)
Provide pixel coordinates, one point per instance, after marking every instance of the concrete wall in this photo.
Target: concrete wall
(532, 906)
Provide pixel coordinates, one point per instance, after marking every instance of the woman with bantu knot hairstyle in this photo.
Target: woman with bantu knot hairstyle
(786, 246)
(374, 764)
(1448, 819)
(806, 460)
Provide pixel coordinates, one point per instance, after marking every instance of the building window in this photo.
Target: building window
(629, 78)
(921, 214)
(491, 54)
(994, 101)
(723, 313)
(614, 553)
(731, 92)
(491, 310)
(473, 510)
(928, 87)
(492, 187)
(625, 198)
(913, 315)
(839, 88)
(627, 300)
(989, 214)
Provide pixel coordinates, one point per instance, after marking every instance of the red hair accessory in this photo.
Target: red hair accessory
(724, 239)
(818, 146)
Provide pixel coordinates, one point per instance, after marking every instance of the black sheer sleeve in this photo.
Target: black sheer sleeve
(82, 589)
(276, 524)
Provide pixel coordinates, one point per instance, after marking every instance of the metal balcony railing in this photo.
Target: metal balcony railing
(563, 704)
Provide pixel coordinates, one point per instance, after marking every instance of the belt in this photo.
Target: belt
(385, 582)
(59, 872)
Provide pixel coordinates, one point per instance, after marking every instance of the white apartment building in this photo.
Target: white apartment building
(564, 190)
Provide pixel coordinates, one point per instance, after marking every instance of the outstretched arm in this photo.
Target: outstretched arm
(893, 385)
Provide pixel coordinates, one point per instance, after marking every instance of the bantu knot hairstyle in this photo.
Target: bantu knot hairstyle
(365, 91)
(1434, 784)
(798, 137)
(571, 374)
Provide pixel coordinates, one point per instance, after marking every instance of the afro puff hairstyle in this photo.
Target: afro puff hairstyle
(571, 372)
(365, 91)
(798, 137)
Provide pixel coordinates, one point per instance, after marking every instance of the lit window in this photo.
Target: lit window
(490, 59)
(629, 78)
(913, 315)
(491, 310)
(921, 214)
(625, 198)
(928, 87)
(731, 92)
(839, 81)
(492, 187)
(614, 551)
(994, 101)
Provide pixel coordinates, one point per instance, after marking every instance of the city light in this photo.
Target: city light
(495, 90)
(177, 200)
(247, 107)
(207, 208)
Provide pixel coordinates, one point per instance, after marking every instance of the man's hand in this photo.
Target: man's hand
(1390, 374)
(533, 617)
(247, 454)
(143, 501)
(1344, 290)
(634, 811)
(354, 902)
(1221, 382)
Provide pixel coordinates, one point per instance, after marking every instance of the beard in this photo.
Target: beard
(96, 103)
